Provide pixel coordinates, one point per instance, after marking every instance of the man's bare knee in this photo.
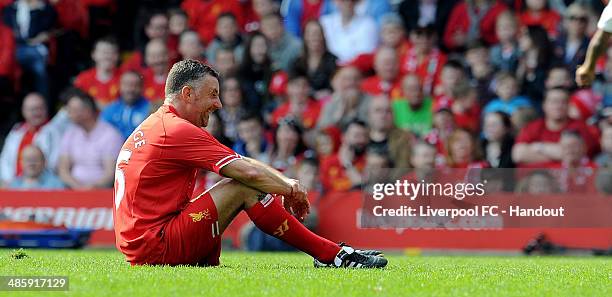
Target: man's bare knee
(235, 190)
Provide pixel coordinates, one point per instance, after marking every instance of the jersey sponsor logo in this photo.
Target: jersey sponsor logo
(198, 216)
(280, 231)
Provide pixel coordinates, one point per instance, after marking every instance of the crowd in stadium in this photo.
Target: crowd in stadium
(323, 90)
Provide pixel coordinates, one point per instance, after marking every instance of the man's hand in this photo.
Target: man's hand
(585, 76)
(297, 203)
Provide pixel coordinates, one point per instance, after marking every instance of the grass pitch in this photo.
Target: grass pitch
(105, 273)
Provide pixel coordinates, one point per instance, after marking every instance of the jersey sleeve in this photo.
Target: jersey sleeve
(605, 21)
(526, 135)
(197, 147)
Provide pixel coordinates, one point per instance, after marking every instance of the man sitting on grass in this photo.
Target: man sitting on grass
(157, 222)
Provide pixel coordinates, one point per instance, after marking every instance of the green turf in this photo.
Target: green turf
(104, 273)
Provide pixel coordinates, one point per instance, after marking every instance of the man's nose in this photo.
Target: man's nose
(217, 104)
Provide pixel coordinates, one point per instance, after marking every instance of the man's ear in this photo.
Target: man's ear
(186, 93)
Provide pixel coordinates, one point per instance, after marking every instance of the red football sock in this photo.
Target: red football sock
(271, 217)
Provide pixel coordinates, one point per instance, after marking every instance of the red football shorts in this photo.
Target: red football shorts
(193, 237)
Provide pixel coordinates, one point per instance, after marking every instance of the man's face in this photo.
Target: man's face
(272, 28)
(225, 62)
(263, 7)
(386, 65)
(178, 24)
(346, 7)
(380, 116)
(78, 112)
(507, 89)
(572, 148)
(558, 78)
(105, 55)
(392, 35)
(34, 110)
(227, 28)
(298, 89)
(421, 40)
(156, 56)
(411, 87)
(356, 137)
(506, 29)
(347, 79)
(424, 157)
(157, 27)
(577, 21)
(250, 131)
(130, 87)
(190, 46)
(32, 162)
(450, 76)
(204, 100)
(556, 105)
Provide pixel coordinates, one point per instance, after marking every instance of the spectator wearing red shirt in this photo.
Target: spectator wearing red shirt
(472, 20)
(299, 104)
(465, 107)
(343, 171)
(157, 27)
(158, 65)
(386, 80)
(72, 15)
(7, 61)
(102, 81)
(583, 102)
(203, 15)
(451, 75)
(538, 143)
(577, 171)
(423, 58)
(443, 126)
(392, 35)
(538, 12)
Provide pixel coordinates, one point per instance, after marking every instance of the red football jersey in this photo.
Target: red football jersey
(155, 176)
(102, 92)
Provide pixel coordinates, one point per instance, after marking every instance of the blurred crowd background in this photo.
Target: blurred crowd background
(326, 91)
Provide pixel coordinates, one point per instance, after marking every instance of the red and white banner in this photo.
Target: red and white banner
(338, 220)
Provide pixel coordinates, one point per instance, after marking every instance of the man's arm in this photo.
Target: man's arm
(266, 179)
(259, 176)
(585, 74)
(536, 152)
(63, 170)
